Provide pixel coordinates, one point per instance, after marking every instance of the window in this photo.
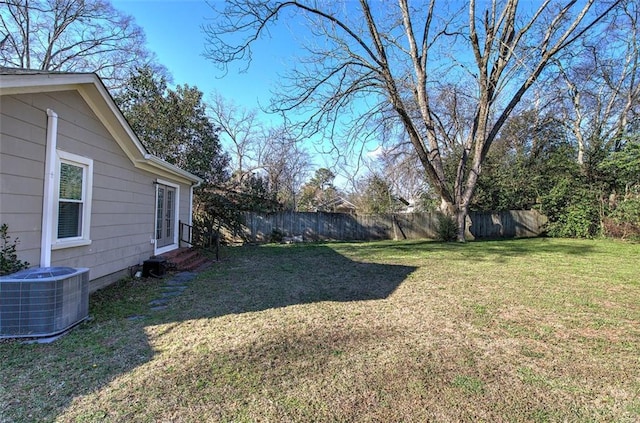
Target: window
(74, 181)
(70, 201)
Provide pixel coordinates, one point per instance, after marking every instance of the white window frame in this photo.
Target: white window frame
(87, 188)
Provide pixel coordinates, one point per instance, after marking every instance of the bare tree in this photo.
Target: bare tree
(286, 164)
(242, 131)
(402, 171)
(271, 152)
(71, 36)
(449, 78)
(599, 89)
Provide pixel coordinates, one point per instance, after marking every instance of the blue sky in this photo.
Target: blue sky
(173, 30)
(174, 34)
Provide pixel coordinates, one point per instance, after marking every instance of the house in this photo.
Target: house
(338, 204)
(77, 187)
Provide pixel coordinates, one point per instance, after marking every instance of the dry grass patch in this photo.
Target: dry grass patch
(527, 330)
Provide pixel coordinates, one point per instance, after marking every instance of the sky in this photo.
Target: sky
(174, 34)
(173, 29)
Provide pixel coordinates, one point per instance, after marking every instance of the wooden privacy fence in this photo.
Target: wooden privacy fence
(259, 227)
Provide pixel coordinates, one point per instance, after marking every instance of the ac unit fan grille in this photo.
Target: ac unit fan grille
(43, 304)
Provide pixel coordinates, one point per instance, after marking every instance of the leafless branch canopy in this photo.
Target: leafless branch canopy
(71, 36)
(598, 86)
(449, 77)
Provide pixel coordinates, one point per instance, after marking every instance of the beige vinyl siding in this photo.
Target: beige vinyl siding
(22, 149)
(123, 202)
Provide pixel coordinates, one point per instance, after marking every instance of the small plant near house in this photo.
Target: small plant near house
(9, 262)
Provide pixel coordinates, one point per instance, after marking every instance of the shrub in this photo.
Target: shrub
(624, 221)
(276, 236)
(573, 210)
(446, 228)
(622, 230)
(9, 262)
(578, 221)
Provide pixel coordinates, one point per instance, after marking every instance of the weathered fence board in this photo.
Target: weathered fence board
(346, 227)
(506, 224)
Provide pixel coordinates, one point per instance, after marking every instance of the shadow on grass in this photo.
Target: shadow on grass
(527, 246)
(280, 276)
(39, 381)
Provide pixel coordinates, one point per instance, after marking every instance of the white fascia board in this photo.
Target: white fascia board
(175, 171)
(42, 82)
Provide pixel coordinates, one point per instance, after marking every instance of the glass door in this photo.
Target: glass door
(165, 216)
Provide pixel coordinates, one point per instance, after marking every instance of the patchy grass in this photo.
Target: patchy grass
(527, 330)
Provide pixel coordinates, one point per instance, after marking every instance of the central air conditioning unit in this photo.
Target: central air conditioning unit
(43, 301)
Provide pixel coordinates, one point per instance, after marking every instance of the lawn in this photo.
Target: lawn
(506, 331)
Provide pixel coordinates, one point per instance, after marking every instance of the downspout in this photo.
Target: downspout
(196, 185)
(48, 197)
(191, 205)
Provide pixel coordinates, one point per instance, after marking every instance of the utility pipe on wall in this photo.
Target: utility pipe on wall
(48, 197)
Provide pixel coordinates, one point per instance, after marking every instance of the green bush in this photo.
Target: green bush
(276, 236)
(572, 210)
(624, 221)
(9, 262)
(578, 221)
(446, 228)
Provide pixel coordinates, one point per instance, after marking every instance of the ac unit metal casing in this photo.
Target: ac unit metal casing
(43, 301)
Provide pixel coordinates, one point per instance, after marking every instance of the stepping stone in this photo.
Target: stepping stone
(136, 317)
(174, 288)
(171, 294)
(175, 283)
(183, 277)
(159, 307)
(158, 302)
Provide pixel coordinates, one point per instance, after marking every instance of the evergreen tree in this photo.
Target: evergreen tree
(173, 125)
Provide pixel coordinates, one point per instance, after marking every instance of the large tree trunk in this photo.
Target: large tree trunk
(459, 216)
(461, 219)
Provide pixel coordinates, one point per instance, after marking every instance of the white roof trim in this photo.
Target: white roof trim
(93, 91)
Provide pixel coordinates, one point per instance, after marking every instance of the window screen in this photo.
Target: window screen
(70, 202)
